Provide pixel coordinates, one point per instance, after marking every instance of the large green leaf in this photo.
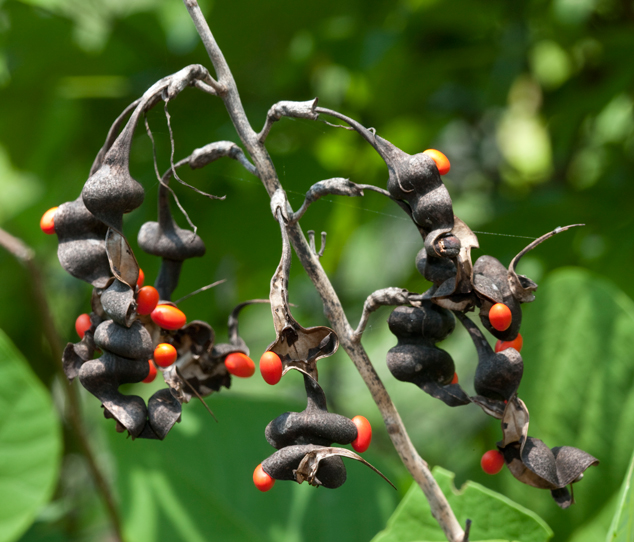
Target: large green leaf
(622, 528)
(30, 443)
(196, 485)
(494, 517)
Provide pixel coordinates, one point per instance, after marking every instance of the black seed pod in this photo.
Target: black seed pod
(315, 425)
(133, 342)
(81, 250)
(166, 240)
(498, 375)
(110, 192)
(416, 358)
(118, 303)
(102, 377)
(282, 464)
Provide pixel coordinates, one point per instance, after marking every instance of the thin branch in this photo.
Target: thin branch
(25, 255)
(298, 110)
(381, 298)
(417, 467)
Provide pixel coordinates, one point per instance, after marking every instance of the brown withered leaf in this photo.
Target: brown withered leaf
(298, 348)
(123, 263)
(308, 467)
(521, 286)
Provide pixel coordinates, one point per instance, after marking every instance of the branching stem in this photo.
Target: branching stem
(417, 467)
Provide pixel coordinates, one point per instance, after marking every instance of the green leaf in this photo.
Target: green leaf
(622, 528)
(197, 484)
(494, 517)
(30, 443)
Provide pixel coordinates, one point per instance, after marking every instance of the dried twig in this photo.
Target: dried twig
(417, 467)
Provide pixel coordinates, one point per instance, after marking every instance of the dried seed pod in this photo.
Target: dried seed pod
(170, 242)
(103, 376)
(534, 463)
(118, 303)
(416, 180)
(498, 375)
(82, 250)
(314, 425)
(283, 464)
(132, 342)
(200, 367)
(416, 358)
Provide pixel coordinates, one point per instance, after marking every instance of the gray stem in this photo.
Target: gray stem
(417, 467)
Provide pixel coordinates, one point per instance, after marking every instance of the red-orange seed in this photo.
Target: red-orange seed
(492, 462)
(152, 374)
(442, 162)
(82, 324)
(516, 343)
(146, 299)
(364, 434)
(500, 316)
(271, 367)
(262, 480)
(168, 316)
(165, 354)
(239, 364)
(47, 222)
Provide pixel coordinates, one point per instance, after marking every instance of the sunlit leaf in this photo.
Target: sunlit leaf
(30, 443)
(494, 517)
(622, 528)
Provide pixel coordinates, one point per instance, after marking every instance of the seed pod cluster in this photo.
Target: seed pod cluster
(128, 321)
(294, 434)
(303, 439)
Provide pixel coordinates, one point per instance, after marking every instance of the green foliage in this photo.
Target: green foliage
(532, 105)
(30, 443)
(199, 481)
(495, 518)
(622, 528)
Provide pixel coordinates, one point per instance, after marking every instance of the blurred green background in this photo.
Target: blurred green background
(532, 103)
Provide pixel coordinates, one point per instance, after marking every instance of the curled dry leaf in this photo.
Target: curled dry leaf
(298, 348)
(309, 465)
(521, 286)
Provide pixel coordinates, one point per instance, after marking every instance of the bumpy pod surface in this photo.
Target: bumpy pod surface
(416, 358)
(82, 250)
(314, 425)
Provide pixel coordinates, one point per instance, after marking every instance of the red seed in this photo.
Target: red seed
(152, 374)
(262, 480)
(516, 343)
(239, 364)
(271, 367)
(454, 380)
(165, 354)
(47, 222)
(141, 278)
(500, 316)
(364, 434)
(442, 162)
(168, 316)
(82, 324)
(492, 462)
(146, 299)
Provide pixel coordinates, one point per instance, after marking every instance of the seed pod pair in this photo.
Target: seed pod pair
(534, 463)
(416, 358)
